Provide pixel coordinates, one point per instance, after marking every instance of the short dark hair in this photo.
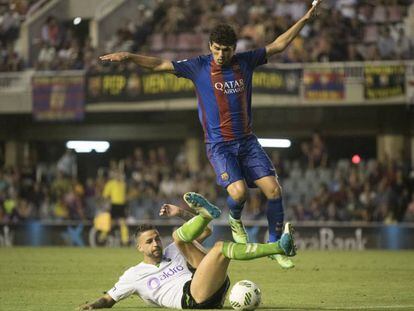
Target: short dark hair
(142, 228)
(223, 34)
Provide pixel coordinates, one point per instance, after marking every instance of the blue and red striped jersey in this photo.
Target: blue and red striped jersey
(224, 93)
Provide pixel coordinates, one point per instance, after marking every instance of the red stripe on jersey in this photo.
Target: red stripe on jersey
(242, 99)
(217, 81)
(203, 111)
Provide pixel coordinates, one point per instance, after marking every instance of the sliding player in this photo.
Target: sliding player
(184, 275)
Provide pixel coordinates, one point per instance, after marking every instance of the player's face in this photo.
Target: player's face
(222, 54)
(149, 243)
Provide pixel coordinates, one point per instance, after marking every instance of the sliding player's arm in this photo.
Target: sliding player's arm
(147, 62)
(105, 301)
(170, 210)
(282, 41)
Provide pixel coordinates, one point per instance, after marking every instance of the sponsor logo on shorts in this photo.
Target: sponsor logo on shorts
(155, 282)
(224, 176)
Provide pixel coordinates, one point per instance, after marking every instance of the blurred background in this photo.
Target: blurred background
(342, 94)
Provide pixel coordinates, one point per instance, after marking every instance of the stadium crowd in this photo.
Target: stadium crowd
(348, 30)
(315, 189)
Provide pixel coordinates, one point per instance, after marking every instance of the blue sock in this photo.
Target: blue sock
(235, 207)
(275, 216)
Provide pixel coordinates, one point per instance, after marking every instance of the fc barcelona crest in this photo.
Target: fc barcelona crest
(224, 176)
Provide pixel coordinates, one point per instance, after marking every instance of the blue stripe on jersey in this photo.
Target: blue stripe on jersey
(208, 100)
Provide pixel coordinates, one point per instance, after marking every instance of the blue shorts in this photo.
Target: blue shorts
(239, 159)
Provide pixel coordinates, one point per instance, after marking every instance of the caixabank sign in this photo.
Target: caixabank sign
(333, 236)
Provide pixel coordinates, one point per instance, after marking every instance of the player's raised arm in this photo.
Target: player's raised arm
(284, 39)
(171, 210)
(148, 62)
(105, 301)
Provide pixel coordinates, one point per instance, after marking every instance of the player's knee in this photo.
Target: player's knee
(218, 246)
(176, 238)
(238, 193)
(275, 192)
(218, 251)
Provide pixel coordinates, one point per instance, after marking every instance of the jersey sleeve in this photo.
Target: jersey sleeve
(172, 252)
(123, 288)
(187, 68)
(254, 58)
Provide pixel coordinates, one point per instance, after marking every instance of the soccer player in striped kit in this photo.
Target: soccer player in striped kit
(223, 83)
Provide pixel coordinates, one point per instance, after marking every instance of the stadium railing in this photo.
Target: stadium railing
(15, 92)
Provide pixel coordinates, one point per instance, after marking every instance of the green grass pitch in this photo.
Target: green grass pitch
(62, 278)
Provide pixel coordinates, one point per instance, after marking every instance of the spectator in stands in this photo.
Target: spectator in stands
(51, 32)
(319, 154)
(322, 51)
(74, 201)
(306, 156)
(9, 25)
(347, 8)
(46, 58)
(409, 214)
(353, 53)
(67, 164)
(174, 18)
(386, 44)
(3, 182)
(354, 208)
(402, 47)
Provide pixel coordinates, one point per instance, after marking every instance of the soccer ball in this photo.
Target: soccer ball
(245, 296)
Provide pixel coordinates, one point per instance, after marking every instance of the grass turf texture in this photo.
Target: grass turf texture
(62, 278)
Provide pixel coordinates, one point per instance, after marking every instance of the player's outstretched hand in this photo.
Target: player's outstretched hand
(85, 306)
(170, 210)
(115, 57)
(312, 11)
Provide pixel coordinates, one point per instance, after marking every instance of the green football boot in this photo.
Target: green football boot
(238, 231)
(201, 205)
(287, 242)
(284, 261)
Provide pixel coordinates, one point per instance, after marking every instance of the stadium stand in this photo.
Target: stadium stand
(180, 30)
(335, 39)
